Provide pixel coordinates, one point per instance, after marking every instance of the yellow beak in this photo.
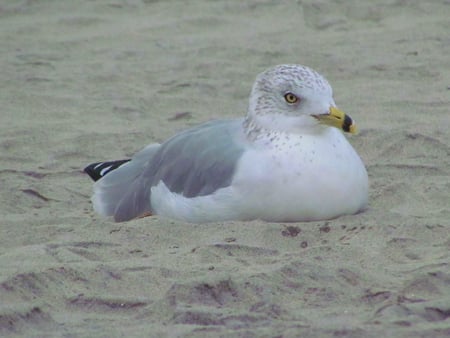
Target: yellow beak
(337, 118)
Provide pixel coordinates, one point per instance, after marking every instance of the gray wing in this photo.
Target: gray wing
(110, 189)
(193, 163)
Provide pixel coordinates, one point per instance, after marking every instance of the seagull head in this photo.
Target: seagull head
(295, 98)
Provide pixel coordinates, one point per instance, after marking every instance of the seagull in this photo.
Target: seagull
(287, 160)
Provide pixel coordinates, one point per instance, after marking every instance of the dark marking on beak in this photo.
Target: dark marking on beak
(347, 123)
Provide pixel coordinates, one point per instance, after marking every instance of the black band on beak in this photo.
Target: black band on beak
(347, 123)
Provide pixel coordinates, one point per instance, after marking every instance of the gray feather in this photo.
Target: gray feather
(196, 162)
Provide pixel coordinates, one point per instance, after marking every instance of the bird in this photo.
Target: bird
(286, 160)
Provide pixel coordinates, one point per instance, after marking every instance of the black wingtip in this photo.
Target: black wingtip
(97, 170)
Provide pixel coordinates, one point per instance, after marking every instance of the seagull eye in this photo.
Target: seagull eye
(290, 98)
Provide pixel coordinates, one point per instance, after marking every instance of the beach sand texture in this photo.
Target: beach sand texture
(88, 81)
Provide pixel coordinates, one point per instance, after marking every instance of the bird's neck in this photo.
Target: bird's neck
(257, 126)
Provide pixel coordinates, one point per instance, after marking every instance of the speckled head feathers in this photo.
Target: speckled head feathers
(311, 91)
(293, 75)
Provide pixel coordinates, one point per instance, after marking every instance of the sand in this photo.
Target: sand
(97, 80)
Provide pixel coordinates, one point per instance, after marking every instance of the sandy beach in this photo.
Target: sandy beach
(88, 81)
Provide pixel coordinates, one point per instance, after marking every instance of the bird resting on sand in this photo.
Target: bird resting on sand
(287, 160)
